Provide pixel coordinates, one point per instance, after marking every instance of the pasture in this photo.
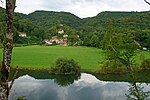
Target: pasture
(43, 57)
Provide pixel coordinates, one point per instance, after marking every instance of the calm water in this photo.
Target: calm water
(85, 87)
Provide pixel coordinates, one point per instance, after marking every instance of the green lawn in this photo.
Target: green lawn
(44, 56)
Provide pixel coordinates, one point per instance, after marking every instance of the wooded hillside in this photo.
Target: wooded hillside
(41, 25)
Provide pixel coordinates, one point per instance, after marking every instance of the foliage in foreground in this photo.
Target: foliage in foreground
(120, 47)
(114, 66)
(146, 64)
(136, 92)
(64, 65)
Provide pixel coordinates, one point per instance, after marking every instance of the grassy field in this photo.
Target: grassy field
(43, 57)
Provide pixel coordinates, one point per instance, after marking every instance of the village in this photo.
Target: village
(61, 38)
(55, 40)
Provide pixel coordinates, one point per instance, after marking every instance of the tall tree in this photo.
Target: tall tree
(147, 2)
(120, 46)
(1, 1)
(8, 39)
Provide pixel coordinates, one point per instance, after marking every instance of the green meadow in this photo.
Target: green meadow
(43, 57)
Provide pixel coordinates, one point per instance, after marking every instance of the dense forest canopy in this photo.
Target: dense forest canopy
(136, 23)
(41, 25)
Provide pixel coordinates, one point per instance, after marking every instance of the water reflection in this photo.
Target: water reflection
(88, 87)
(136, 92)
(65, 80)
(84, 87)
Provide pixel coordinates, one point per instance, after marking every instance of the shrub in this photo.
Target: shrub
(146, 64)
(64, 65)
(112, 66)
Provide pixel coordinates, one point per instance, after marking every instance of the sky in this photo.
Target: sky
(81, 8)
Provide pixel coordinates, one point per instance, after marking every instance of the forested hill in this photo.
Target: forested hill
(127, 20)
(48, 19)
(121, 19)
(118, 14)
(136, 23)
(41, 25)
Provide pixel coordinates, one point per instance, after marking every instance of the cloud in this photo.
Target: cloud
(81, 8)
(86, 9)
(130, 5)
(86, 88)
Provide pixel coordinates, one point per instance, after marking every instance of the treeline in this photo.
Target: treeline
(35, 33)
(93, 31)
(135, 23)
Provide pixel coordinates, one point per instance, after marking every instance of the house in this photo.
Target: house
(61, 31)
(144, 48)
(47, 42)
(54, 39)
(65, 36)
(51, 41)
(63, 42)
(78, 36)
(22, 34)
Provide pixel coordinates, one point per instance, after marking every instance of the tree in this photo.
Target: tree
(136, 92)
(64, 66)
(120, 46)
(1, 1)
(147, 2)
(73, 39)
(94, 41)
(8, 39)
(1, 32)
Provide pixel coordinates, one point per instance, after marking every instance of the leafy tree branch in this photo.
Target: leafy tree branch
(147, 2)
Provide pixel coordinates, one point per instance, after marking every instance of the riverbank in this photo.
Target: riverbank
(138, 76)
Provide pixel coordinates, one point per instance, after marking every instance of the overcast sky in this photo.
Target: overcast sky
(81, 8)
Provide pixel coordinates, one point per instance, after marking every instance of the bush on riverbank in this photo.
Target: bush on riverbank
(112, 66)
(109, 70)
(64, 65)
(146, 64)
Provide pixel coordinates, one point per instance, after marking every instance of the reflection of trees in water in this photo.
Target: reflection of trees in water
(13, 95)
(65, 80)
(136, 92)
(21, 98)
